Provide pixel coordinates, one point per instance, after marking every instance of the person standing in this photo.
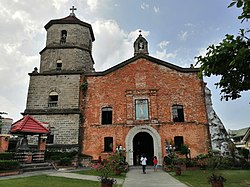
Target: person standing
(155, 161)
(143, 163)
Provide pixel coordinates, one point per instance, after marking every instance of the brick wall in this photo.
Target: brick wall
(163, 87)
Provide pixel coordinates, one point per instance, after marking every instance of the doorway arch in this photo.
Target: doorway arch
(157, 150)
(143, 144)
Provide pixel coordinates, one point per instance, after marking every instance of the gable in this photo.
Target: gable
(148, 58)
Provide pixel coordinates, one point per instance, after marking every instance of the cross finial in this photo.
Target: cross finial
(72, 9)
(140, 32)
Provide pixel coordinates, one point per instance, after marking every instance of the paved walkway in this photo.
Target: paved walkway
(135, 178)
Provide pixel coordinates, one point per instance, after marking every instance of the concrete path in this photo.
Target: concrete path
(135, 178)
(79, 176)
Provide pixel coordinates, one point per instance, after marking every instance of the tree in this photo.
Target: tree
(245, 5)
(230, 59)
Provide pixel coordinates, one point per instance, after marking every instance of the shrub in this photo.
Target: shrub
(9, 165)
(245, 153)
(6, 156)
(226, 163)
(65, 161)
(57, 155)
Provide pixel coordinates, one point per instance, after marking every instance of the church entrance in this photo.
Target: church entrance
(143, 144)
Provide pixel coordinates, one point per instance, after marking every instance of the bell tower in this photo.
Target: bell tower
(55, 91)
(68, 46)
(140, 45)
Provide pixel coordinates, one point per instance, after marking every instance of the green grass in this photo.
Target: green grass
(96, 173)
(198, 178)
(48, 181)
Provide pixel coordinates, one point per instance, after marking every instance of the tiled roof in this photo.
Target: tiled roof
(239, 133)
(71, 19)
(28, 125)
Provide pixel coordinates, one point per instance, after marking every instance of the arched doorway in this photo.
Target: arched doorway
(143, 144)
(156, 140)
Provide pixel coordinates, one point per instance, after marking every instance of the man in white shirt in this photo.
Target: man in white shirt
(143, 163)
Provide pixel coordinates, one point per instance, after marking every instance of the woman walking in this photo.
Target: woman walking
(155, 161)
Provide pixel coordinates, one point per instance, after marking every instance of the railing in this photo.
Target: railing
(29, 157)
(52, 104)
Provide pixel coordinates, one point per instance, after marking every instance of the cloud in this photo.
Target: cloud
(188, 24)
(163, 44)
(58, 3)
(156, 9)
(183, 35)
(112, 45)
(164, 55)
(144, 6)
(92, 4)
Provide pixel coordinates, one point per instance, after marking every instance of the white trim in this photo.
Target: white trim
(156, 142)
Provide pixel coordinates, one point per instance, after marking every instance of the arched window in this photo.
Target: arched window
(63, 37)
(59, 64)
(107, 115)
(53, 99)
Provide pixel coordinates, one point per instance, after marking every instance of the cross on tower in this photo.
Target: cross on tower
(72, 9)
(140, 32)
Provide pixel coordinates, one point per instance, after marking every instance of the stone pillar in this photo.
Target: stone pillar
(4, 142)
(42, 143)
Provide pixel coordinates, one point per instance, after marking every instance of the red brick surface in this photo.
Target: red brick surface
(163, 87)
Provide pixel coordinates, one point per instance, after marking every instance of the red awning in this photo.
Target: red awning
(28, 125)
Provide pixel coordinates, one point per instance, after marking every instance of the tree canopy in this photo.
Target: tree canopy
(230, 59)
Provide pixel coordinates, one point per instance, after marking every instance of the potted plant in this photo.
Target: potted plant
(216, 180)
(106, 182)
(117, 161)
(177, 170)
(104, 168)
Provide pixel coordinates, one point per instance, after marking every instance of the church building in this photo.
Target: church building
(142, 104)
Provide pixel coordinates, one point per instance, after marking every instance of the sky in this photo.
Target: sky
(177, 31)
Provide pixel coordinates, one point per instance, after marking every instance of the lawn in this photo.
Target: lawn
(48, 181)
(198, 178)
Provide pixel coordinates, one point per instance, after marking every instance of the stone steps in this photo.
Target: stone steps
(36, 166)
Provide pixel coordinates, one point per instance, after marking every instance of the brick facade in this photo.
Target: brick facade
(163, 86)
(99, 111)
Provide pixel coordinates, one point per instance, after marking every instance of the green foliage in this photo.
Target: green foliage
(245, 153)
(7, 156)
(245, 5)
(65, 161)
(198, 178)
(184, 150)
(106, 168)
(230, 59)
(216, 178)
(9, 165)
(84, 86)
(64, 158)
(57, 155)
